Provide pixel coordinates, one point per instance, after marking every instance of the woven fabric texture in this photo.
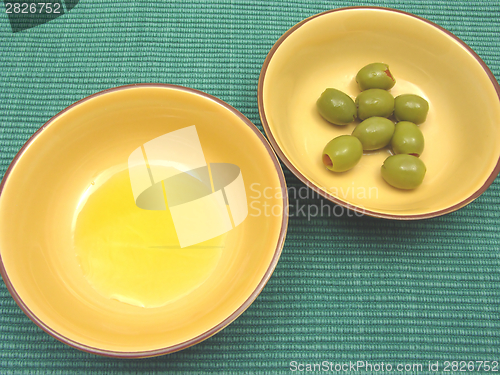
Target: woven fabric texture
(345, 288)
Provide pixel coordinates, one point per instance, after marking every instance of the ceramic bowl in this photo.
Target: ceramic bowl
(130, 223)
(462, 129)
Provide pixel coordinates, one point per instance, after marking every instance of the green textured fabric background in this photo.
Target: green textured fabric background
(345, 289)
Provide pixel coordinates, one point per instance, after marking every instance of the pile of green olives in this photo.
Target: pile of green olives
(376, 109)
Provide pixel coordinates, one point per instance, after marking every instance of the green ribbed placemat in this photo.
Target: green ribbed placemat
(345, 289)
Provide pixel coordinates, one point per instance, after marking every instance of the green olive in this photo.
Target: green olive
(375, 76)
(336, 107)
(409, 107)
(374, 132)
(342, 153)
(403, 171)
(407, 139)
(374, 102)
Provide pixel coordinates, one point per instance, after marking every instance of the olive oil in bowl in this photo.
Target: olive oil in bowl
(133, 255)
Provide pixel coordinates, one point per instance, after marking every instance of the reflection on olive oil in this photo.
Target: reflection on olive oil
(133, 255)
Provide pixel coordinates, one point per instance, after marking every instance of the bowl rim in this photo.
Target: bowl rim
(227, 320)
(317, 189)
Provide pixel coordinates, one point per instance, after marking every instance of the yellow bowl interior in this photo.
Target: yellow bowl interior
(462, 130)
(44, 189)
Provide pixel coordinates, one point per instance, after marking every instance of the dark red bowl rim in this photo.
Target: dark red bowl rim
(330, 197)
(216, 328)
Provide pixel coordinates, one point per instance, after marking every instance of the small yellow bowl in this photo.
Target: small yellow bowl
(88, 256)
(462, 130)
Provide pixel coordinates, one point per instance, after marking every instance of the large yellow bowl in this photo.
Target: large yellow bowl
(462, 130)
(68, 193)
